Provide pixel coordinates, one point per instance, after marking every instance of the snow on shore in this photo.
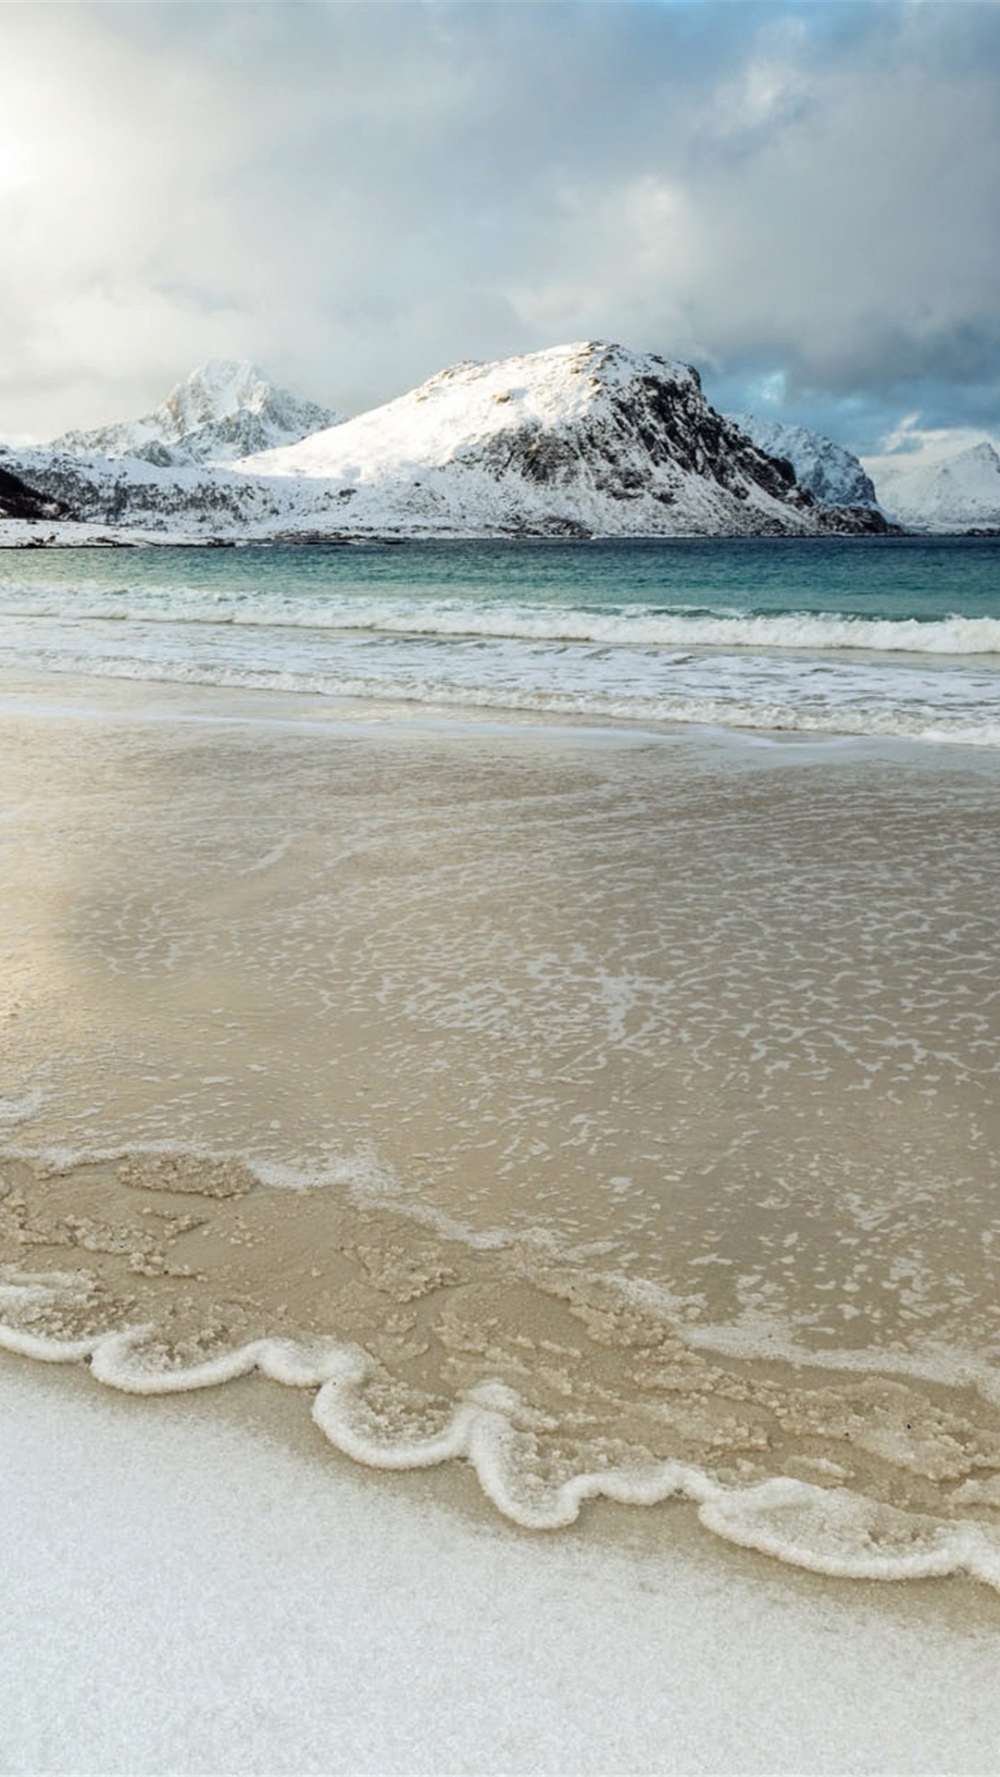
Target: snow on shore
(182, 1595)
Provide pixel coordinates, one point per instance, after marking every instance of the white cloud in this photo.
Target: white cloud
(355, 194)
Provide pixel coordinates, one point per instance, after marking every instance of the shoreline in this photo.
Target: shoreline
(275, 1410)
(261, 1410)
(284, 1612)
(459, 631)
(257, 1408)
(110, 999)
(106, 696)
(17, 534)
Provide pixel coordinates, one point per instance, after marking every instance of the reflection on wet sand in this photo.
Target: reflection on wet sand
(651, 1082)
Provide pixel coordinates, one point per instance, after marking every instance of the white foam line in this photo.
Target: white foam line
(46, 1351)
(840, 1533)
(933, 1363)
(829, 1531)
(356, 1173)
(116, 1361)
(628, 625)
(881, 722)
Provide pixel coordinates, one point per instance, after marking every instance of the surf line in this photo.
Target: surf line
(827, 1530)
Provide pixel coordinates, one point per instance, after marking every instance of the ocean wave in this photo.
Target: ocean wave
(457, 619)
(873, 713)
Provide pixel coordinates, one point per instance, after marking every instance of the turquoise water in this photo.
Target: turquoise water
(843, 635)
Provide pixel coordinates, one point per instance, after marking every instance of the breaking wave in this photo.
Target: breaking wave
(626, 625)
(775, 704)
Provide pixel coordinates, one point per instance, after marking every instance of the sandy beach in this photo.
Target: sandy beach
(191, 1586)
(453, 1073)
(499, 861)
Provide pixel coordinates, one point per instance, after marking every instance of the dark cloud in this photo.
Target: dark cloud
(800, 197)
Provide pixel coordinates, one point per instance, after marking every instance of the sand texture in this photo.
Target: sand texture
(615, 1113)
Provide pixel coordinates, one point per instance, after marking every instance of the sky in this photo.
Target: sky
(801, 198)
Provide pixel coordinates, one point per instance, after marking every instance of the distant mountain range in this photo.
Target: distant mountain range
(826, 470)
(224, 410)
(960, 492)
(587, 439)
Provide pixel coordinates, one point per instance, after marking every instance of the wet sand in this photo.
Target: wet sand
(637, 1089)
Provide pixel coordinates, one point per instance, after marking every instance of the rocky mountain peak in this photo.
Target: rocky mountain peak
(226, 408)
(983, 455)
(216, 390)
(587, 436)
(826, 470)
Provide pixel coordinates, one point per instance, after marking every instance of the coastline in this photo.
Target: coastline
(97, 860)
(499, 866)
(20, 534)
(197, 1591)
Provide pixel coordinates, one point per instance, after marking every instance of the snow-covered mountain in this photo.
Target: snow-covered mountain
(19, 501)
(829, 472)
(580, 440)
(225, 409)
(958, 493)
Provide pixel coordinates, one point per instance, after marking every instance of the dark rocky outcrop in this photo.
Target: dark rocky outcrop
(19, 500)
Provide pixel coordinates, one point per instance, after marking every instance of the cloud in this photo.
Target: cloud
(358, 194)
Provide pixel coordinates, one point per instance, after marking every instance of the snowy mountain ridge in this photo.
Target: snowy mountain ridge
(826, 470)
(587, 439)
(958, 493)
(224, 410)
(470, 403)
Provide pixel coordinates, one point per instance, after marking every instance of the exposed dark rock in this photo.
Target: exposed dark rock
(857, 521)
(19, 500)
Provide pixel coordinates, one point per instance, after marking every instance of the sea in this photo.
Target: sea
(540, 1000)
(897, 637)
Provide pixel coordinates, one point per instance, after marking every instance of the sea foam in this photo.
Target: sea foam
(626, 625)
(830, 1530)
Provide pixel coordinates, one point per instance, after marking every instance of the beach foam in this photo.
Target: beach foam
(546, 1426)
(815, 638)
(711, 690)
(458, 618)
(185, 1596)
(824, 1529)
(614, 1120)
